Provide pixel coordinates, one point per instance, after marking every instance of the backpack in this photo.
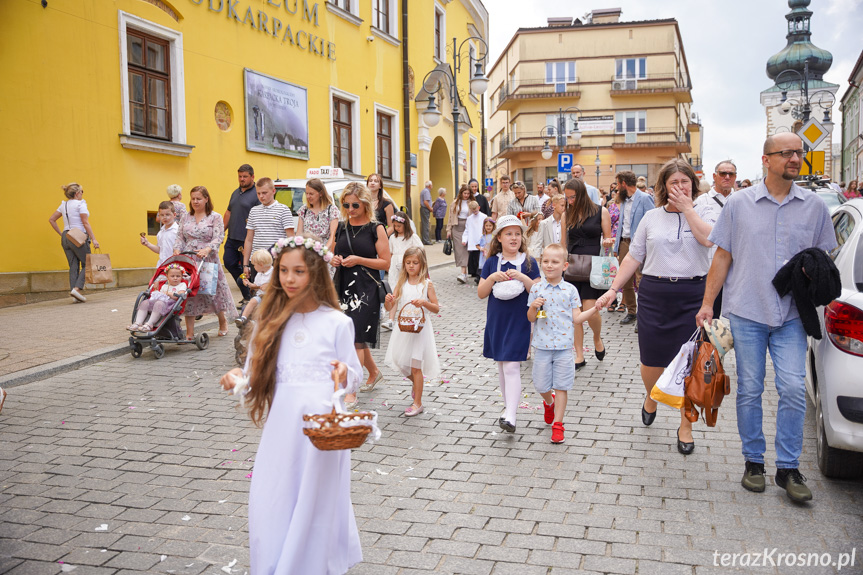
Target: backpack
(707, 385)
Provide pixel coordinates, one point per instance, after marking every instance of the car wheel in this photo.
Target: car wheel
(834, 463)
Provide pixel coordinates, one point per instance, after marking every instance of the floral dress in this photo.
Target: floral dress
(614, 212)
(318, 224)
(194, 236)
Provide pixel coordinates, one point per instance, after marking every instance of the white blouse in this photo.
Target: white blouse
(464, 210)
(71, 211)
(666, 246)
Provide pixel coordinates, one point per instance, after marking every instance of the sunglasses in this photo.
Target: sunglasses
(728, 174)
(355, 205)
(787, 153)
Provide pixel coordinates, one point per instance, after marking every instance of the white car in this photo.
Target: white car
(292, 192)
(834, 366)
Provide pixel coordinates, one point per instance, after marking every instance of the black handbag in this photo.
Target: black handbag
(383, 286)
(447, 247)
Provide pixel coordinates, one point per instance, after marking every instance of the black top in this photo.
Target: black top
(586, 238)
(240, 205)
(483, 204)
(381, 214)
(357, 286)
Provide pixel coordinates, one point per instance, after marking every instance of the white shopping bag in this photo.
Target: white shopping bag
(669, 387)
(208, 279)
(603, 270)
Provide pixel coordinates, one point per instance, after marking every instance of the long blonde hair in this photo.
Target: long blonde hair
(273, 315)
(403, 274)
(363, 194)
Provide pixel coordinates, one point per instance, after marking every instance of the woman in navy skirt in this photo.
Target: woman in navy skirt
(671, 242)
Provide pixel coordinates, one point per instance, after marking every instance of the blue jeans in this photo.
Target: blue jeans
(787, 345)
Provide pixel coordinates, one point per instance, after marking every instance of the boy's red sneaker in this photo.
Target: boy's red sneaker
(549, 410)
(557, 433)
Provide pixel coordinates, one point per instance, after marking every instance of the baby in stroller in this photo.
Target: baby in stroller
(161, 301)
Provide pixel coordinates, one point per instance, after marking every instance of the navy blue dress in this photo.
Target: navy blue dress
(507, 329)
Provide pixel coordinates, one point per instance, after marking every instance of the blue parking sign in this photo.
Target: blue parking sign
(489, 182)
(564, 163)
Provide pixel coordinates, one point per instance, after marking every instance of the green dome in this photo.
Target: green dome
(799, 48)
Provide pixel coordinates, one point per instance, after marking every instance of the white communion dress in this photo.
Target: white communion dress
(407, 350)
(300, 515)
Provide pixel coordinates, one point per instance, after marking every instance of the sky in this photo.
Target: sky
(727, 45)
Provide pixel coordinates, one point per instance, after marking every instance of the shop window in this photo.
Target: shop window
(152, 89)
(343, 134)
(153, 225)
(550, 173)
(527, 178)
(385, 145)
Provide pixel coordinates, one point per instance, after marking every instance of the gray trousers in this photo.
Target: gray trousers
(425, 214)
(77, 258)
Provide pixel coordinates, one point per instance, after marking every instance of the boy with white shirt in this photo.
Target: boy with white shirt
(471, 237)
(167, 236)
(263, 262)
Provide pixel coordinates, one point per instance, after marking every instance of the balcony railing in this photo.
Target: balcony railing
(650, 83)
(653, 137)
(525, 88)
(532, 142)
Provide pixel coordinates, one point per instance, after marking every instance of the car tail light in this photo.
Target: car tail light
(844, 325)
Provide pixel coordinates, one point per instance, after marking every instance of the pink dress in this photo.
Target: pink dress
(194, 236)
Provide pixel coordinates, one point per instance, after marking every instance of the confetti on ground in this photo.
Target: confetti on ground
(66, 568)
(186, 518)
(113, 310)
(102, 527)
(163, 558)
(379, 472)
(249, 476)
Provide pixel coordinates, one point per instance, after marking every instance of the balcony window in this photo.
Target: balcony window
(560, 74)
(630, 122)
(629, 70)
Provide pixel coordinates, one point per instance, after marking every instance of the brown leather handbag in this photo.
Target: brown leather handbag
(707, 385)
(579, 268)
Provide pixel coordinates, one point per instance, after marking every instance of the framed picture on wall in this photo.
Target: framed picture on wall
(277, 116)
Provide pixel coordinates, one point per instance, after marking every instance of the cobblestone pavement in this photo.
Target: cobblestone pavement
(139, 465)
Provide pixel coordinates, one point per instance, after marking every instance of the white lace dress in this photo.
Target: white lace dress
(407, 350)
(300, 515)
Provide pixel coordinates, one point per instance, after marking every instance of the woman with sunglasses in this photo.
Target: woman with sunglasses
(362, 250)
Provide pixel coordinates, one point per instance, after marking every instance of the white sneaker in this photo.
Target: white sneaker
(462, 278)
(388, 325)
(77, 295)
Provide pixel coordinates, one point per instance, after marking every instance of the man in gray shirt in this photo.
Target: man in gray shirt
(425, 213)
(758, 231)
(593, 193)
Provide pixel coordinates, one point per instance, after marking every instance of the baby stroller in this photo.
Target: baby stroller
(167, 329)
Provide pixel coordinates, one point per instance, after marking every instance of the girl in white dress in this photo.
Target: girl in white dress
(414, 354)
(401, 239)
(300, 515)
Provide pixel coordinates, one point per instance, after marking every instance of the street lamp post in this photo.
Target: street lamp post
(478, 85)
(597, 163)
(561, 133)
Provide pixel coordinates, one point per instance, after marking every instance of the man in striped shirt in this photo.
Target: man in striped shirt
(269, 221)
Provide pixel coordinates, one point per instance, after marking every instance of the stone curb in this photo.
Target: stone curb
(76, 362)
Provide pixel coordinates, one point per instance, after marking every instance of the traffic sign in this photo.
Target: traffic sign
(564, 162)
(489, 182)
(816, 160)
(813, 133)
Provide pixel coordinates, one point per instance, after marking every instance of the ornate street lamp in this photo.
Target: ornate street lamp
(444, 76)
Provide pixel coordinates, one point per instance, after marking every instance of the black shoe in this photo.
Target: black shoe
(580, 364)
(198, 317)
(647, 418)
(794, 484)
(600, 355)
(629, 318)
(683, 447)
(636, 328)
(506, 426)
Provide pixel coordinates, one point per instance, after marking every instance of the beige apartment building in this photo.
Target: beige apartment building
(625, 86)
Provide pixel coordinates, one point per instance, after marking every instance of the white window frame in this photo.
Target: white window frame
(395, 136)
(639, 114)
(177, 146)
(630, 82)
(438, 9)
(474, 160)
(356, 139)
(570, 74)
(551, 120)
(393, 35)
(352, 15)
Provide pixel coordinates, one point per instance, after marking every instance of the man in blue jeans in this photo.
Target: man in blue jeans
(759, 230)
(243, 199)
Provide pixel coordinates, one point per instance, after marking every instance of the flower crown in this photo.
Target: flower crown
(173, 266)
(396, 218)
(301, 242)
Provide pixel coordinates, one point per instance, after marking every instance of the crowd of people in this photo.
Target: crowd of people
(314, 290)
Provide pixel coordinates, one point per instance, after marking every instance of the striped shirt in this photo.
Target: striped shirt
(269, 224)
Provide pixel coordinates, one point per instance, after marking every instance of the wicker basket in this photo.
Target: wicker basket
(411, 323)
(331, 436)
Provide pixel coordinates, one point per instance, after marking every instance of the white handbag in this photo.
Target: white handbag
(509, 289)
(669, 388)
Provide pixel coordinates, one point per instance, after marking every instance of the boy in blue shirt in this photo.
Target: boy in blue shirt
(553, 363)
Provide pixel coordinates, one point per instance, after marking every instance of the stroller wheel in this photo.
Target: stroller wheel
(159, 351)
(202, 340)
(136, 349)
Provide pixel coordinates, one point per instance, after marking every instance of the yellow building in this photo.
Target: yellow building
(626, 84)
(127, 97)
